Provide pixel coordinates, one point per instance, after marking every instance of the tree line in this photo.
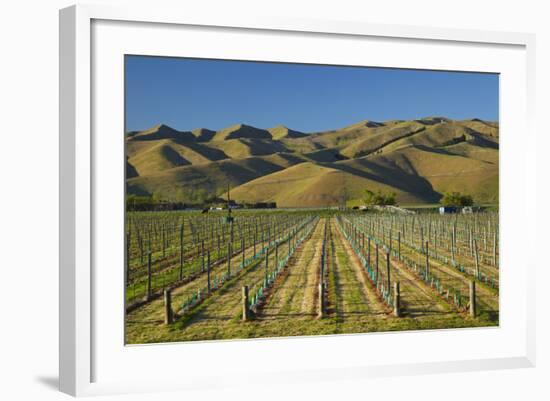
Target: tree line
(448, 199)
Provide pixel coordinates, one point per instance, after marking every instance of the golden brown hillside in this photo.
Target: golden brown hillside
(417, 159)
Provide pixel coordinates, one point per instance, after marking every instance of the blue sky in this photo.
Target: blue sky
(191, 93)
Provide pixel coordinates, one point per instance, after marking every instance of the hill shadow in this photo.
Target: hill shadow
(325, 156)
(212, 154)
(481, 140)
(396, 178)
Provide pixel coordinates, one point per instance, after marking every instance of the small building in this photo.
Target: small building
(467, 210)
(448, 209)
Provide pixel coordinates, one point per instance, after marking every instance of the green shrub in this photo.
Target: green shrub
(379, 198)
(456, 199)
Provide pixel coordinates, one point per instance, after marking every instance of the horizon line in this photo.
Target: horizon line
(311, 132)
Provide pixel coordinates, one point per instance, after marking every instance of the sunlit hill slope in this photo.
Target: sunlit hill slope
(416, 159)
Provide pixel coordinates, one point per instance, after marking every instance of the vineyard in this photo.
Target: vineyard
(193, 276)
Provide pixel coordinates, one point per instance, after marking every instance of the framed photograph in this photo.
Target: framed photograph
(335, 198)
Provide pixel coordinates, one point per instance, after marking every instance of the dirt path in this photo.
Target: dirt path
(295, 295)
(355, 295)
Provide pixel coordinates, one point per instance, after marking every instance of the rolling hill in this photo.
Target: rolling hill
(419, 160)
(246, 147)
(280, 132)
(210, 179)
(241, 131)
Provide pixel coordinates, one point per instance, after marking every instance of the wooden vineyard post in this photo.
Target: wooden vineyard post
(376, 281)
(208, 271)
(128, 258)
(202, 256)
(388, 269)
(472, 298)
(399, 245)
(140, 245)
(368, 251)
(181, 253)
(242, 251)
(266, 264)
(246, 311)
(495, 249)
(321, 300)
(471, 241)
(289, 244)
(149, 273)
(427, 262)
(168, 314)
(396, 299)
(229, 252)
(453, 246)
(163, 238)
(454, 240)
(476, 255)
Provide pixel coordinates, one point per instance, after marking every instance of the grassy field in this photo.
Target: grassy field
(310, 248)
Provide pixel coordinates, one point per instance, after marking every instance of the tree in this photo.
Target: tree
(180, 195)
(157, 196)
(201, 195)
(456, 199)
(379, 198)
(467, 200)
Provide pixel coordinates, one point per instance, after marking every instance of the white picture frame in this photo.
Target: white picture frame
(88, 366)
